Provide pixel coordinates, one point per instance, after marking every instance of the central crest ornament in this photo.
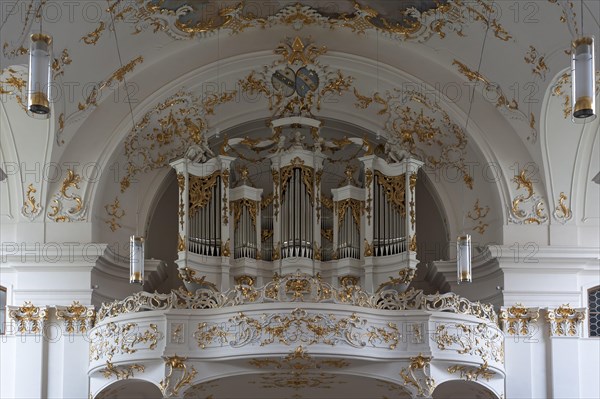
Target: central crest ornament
(296, 83)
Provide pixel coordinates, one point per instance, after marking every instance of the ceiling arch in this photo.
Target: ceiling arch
(239, 111)
(439, 52)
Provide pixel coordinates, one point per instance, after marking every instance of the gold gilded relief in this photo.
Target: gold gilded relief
(177, 377)
(473, 373)
(31, 208)
(517, 319)
(299, 326)
(439, 20)
(180, 243)
(481, 340)
(226, 248)
(188, 275)
(14, 83)
(368, 249)
(29, 318)
(113, 339)
(59, 63)
(478, 214)
(238, 206)
(181, 120)
(77, 211)
(246, 287)
(561, 88)
(535, 212)
(96, 93)
(354, 206)
(181, 211)
(394, 187)
(78, 318)
(493, 92)
(115, 212)
(201, 190)
(368, 182)
(94, 36)
(296, 370)
(405, 276)
(121, 372)
(532, 57)
(317, 291)
(266, 234)
(278, 82)
(565, 321)
(423, 128)
(277, 251)
(225, 178)
(297, 51)
(412, 246)
(562, 213)
(417, 376)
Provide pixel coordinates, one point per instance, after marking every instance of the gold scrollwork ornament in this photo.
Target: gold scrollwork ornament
(77, 211)
(29, 318)
(565, 321)
(121, 372)
(472, 373)
(516, 320)
(177, 377)
(78, 318)
(31, 208)
(534, 211)
(562, 213)
(417, 376)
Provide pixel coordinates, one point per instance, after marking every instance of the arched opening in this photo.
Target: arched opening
(458, 389)
(130, 389)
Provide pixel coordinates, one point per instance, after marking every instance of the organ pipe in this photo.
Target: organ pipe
(297, 225)
(389, 235)
(204, 219)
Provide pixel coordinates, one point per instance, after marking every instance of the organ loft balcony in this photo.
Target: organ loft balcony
(296, 250)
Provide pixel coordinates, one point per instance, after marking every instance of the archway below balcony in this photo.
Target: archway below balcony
(459, 389)
(130, 389)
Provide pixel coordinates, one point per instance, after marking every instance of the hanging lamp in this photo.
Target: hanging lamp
(40, 73)
(136, 260)
(463, 259)
(583, 93)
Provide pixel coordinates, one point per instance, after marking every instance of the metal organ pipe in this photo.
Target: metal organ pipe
(297, 213)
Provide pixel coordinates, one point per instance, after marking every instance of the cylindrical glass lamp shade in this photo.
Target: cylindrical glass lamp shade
(136, 260)
(463, 258)
(583, 82)
(40, 65)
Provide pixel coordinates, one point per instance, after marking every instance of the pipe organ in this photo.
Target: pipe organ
(204, 224)
(295, 219)
(348, 207)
